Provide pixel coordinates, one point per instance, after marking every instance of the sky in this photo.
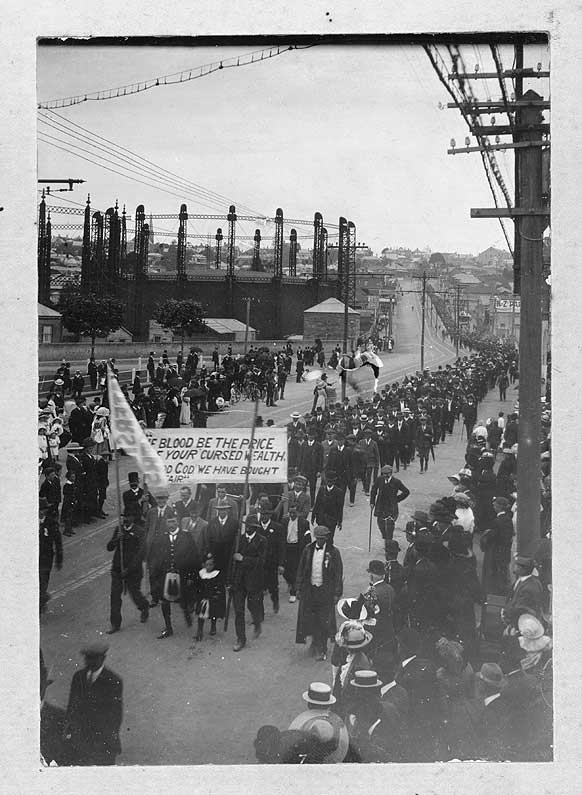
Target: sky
(351, 130)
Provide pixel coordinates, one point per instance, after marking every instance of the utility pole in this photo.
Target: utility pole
(457, 318)
(248, 303)
(424, 278)
(530, 229)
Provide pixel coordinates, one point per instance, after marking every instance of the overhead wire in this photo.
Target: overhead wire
(127, 164)
(432, 53)
(189, 183)
(184, 76)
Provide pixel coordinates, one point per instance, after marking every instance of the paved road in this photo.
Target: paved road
(187, 702)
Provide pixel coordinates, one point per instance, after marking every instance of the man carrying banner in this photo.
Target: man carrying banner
(127, 571)
(247, 581)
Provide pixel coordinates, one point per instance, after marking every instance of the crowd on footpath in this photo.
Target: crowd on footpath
(413, 675)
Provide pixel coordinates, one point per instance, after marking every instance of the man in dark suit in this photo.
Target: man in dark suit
(135, 499)
(182, 506)
(328, 508)
(418, 677)
(296, 534)
(173, 553)
(339, 461)
(496, 712)
(50, 546)
(126, 568)
(386, 493)
(247, 581)
(273, 534)
(89, 496)
(80, 421)
(50, 489)
(155, 527)
(94, 711)
(312, 461)
(527, 593)
(196, 526)
(219, 537)
(380, 596)
(319, 586)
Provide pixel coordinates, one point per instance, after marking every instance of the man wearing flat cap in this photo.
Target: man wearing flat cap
(319, 585)
(94, 711)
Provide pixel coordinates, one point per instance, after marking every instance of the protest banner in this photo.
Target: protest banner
(215, 455)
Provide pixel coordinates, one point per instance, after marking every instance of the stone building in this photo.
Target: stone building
(326, 321)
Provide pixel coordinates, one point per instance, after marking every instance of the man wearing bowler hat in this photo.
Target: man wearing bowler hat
(247, 580)
(328, 508)
(94, 711)
(319, 586)
(155, 527)
(381, 596)
(127, 569)
(386, 493)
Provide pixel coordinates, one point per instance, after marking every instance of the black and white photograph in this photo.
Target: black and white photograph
(292, 293)
(295, 400)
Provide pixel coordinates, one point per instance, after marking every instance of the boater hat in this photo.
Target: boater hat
(319, 694)
(366, 679)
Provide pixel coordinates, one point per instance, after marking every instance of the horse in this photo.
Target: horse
(361, 358)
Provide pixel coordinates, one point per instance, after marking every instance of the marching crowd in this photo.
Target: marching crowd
(413, 675)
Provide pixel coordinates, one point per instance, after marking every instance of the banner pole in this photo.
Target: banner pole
(245, 498)
(117, 486)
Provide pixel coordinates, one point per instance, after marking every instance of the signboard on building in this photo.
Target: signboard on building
(507, 304)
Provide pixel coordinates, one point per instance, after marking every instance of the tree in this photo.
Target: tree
(181, 316)
(88, 313)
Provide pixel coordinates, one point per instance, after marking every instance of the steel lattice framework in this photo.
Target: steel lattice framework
(351, 275)
(182, 233)
(293, 253)
(257, 265)
(343, 260)
(231, 218)
(317, 244)
(278, 245)
(44, 253)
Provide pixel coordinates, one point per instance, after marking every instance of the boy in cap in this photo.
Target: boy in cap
(94, 711)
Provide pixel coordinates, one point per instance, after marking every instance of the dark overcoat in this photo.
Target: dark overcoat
(332, 584)
(94, 716)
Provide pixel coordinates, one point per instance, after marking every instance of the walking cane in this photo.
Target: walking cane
(370, 529)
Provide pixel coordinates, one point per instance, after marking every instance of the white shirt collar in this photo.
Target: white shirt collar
(250, 538)
(93, 675)
(405, 662)
(489, 699)
(386, 688)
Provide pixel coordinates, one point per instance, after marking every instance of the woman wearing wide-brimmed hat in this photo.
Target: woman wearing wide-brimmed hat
(348, 656)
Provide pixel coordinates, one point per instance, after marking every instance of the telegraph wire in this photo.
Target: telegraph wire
(207, 201)
(220, 197)
(184, 76)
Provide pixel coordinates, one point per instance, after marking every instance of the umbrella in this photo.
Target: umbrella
(196, 349)
(176, 382)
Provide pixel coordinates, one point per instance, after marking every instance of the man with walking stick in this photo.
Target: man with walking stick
(386, 493)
